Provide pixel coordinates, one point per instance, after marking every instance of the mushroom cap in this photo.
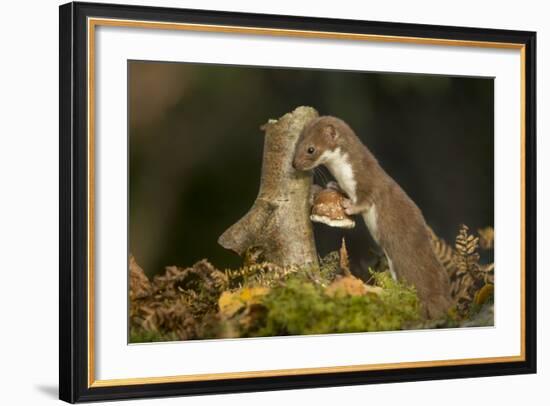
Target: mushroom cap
(327, 209)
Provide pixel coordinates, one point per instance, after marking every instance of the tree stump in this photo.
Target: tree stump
(277, 227)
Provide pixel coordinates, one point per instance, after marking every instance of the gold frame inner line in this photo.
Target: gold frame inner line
(95, 22)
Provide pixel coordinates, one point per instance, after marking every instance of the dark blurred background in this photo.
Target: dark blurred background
(196, 150)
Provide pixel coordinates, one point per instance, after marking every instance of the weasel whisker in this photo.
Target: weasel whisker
(321, 177)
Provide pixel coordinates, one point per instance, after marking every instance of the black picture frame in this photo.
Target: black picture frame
(74, 200)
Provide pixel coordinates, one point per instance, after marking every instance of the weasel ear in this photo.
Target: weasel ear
(330, 131)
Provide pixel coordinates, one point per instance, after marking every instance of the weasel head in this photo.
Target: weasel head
(319, 137)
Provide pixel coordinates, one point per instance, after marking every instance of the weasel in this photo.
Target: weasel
(392, 218)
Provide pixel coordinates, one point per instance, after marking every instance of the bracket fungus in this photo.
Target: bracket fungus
(328, 209)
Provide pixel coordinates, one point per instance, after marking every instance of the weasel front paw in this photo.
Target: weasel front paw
(351, 209)
(347, 204)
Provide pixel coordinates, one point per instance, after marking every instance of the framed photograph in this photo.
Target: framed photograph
(256, 202)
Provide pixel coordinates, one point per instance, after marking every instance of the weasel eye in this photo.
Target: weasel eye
(310, 150)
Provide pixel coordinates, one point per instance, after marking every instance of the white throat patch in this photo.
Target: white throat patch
(339, 166)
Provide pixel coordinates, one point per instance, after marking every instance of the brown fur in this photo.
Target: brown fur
(401, 230)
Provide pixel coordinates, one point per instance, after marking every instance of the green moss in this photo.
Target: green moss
(302, 307)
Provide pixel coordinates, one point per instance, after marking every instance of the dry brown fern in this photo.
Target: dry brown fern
(262, 274)
(344, 259)
(443, 251)
(140, 286)
(268, 274)
(486, 237)
(175, 302)
(464, 281)
(467, 276)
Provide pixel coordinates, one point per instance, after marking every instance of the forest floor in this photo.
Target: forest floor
(263, 299)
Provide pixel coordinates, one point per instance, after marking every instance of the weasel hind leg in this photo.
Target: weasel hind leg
(436, 307)
(431, 283)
